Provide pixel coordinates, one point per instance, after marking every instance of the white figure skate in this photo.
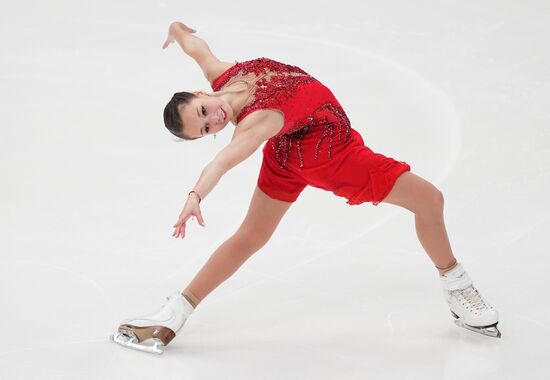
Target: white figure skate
(469, 309)
(158, 328)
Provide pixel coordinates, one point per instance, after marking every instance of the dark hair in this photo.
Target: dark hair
(172, 119)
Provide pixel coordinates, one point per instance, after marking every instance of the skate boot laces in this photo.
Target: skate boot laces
(474, 299)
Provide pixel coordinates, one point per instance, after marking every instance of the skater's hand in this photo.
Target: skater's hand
(175, 28)
(190, 209)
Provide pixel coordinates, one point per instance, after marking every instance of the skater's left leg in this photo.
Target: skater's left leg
(426, 202)
(469, 309)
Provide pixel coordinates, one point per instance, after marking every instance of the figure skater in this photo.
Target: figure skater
(308, 141)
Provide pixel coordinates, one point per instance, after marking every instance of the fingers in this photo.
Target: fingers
(184, 27)
(182, 231)
(166, 43)
(179, 230)
(200, 220)
(179, 227)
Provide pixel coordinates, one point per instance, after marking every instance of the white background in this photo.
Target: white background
(92, 183)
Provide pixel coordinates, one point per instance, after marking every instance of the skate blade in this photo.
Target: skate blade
(491, 331)
(131, 342)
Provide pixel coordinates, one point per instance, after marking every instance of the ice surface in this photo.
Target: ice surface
(92, 183)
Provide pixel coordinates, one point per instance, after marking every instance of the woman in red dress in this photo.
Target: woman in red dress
(308, 140)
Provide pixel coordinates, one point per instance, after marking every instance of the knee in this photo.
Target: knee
(438, 199)
(250, 241)
(434, 203)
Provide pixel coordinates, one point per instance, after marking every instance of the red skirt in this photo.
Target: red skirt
(352, 171)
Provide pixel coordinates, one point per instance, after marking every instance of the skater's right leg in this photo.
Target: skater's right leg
(264, 214)
(152, 332)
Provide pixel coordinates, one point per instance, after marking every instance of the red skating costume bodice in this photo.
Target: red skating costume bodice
(316, 145)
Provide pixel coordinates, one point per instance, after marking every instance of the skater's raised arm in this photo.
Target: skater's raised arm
(195, 47)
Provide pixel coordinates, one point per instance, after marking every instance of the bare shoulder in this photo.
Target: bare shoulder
(248, 137)
(214, 68)
(264, 124)
(247, 140)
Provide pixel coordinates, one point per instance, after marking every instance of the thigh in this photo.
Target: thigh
(415, 194)
(262, 218)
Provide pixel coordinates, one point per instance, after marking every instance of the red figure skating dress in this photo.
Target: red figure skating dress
(316, 145)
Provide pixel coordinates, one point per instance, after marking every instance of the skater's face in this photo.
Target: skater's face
(204, 115)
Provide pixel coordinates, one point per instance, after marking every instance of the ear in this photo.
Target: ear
(199, 93)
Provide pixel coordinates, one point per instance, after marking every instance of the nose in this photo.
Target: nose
(215, 119)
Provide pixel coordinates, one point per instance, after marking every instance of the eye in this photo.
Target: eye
(206, 128)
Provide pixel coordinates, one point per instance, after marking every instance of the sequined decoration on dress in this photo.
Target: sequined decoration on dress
(335, 117)
(274, 83)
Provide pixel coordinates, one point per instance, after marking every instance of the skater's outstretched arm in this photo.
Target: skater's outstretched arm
(240, 148)
(197, 49)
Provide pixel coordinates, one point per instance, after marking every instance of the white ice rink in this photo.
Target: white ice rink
(92, 182)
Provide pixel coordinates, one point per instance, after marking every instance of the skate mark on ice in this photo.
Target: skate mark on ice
(525, 232)
(46, 347)
(63, 269)
(326, 252)
(535, 321)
